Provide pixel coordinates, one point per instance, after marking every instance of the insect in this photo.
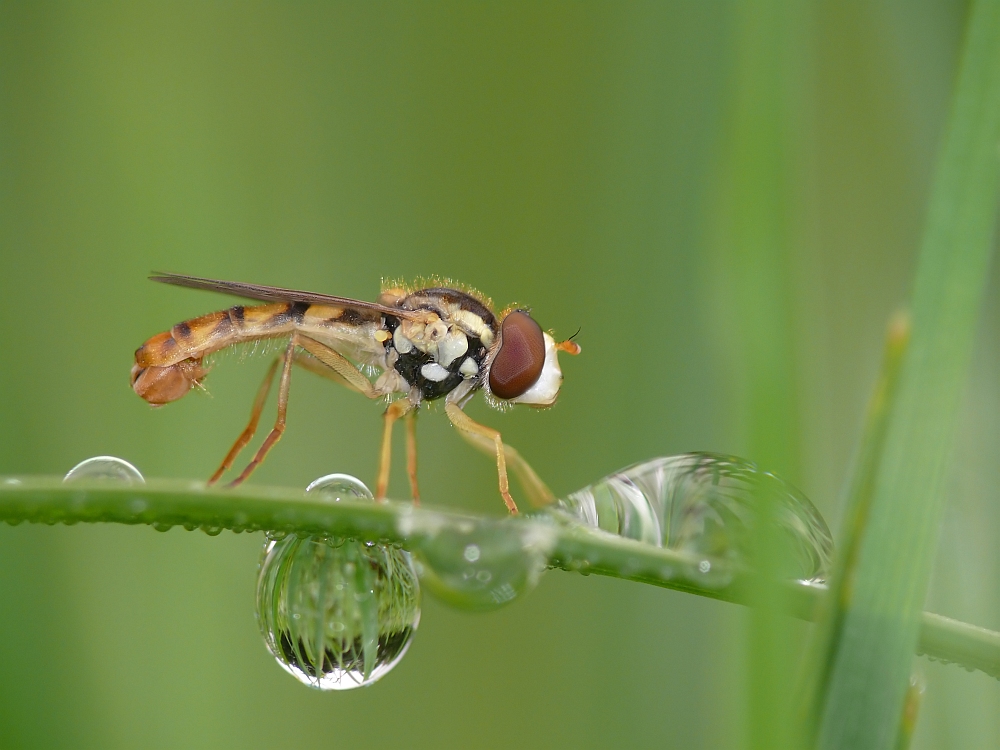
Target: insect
(426, 344)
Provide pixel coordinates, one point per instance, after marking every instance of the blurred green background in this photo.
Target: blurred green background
(569, 156)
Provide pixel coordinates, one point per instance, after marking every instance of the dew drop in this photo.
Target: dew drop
(211, 530)
(703, 505)
(336, 614)
(162, 526)
(240, 521)
(483, 568)
(106, 469)
(337, 487)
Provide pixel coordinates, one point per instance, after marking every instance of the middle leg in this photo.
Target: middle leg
(411, 454)
(396, 410)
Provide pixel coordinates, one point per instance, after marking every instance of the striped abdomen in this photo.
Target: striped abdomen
(169, 364)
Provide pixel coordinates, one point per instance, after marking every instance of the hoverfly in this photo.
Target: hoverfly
(426, 344)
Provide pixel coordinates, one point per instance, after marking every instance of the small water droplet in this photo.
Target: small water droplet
(337, 487)
(704, 566)
(240, 521)
(12, 481)
(138, 505)
(162, 526)
(336, 614)
(211, 530)
(482, 568)
(105, 468)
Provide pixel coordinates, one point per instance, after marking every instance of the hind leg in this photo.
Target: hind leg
(279, 423)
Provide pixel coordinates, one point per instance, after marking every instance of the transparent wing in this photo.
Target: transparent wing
(277, 294)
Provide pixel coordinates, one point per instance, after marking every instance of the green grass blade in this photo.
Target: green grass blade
(871, 668)
(761, 196)
(163, 503)
(859, 499)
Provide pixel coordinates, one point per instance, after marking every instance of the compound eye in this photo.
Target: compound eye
(518, 364)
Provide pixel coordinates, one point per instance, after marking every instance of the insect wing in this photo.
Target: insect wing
(277, 294)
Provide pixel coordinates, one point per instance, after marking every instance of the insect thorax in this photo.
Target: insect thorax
(437, 356)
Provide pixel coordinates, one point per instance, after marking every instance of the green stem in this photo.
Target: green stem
(885, 576)
(166, 503)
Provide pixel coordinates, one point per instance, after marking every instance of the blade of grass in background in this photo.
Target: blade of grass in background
(859, 498)
(872, 658)
(759, 205)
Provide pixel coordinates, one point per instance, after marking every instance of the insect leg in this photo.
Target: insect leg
(308, 362)
(396, 410)
(537, 491)
(279, 423)
(247, 435)
(466, 425)
(337, 362)
(411, 454)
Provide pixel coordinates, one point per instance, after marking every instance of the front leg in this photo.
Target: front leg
(537, 491)
(467, 425)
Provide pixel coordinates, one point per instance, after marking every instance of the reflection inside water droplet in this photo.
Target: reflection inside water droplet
(704, 505)
(482, 568)
(336, 614)
(105, 468)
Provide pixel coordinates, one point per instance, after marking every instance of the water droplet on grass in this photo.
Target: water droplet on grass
(339, 487)
(704, 505)
(483, 568)
(105, 468)
(336, 614)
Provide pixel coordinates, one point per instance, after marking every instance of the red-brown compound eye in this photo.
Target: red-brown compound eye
(518, 364)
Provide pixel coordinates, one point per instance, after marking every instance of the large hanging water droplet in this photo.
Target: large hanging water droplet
(105, 468)
(704, 505)
(483, 567)
(336, 614)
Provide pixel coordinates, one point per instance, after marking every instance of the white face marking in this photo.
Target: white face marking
(546, 388)
(469, 368)
(434, 372)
